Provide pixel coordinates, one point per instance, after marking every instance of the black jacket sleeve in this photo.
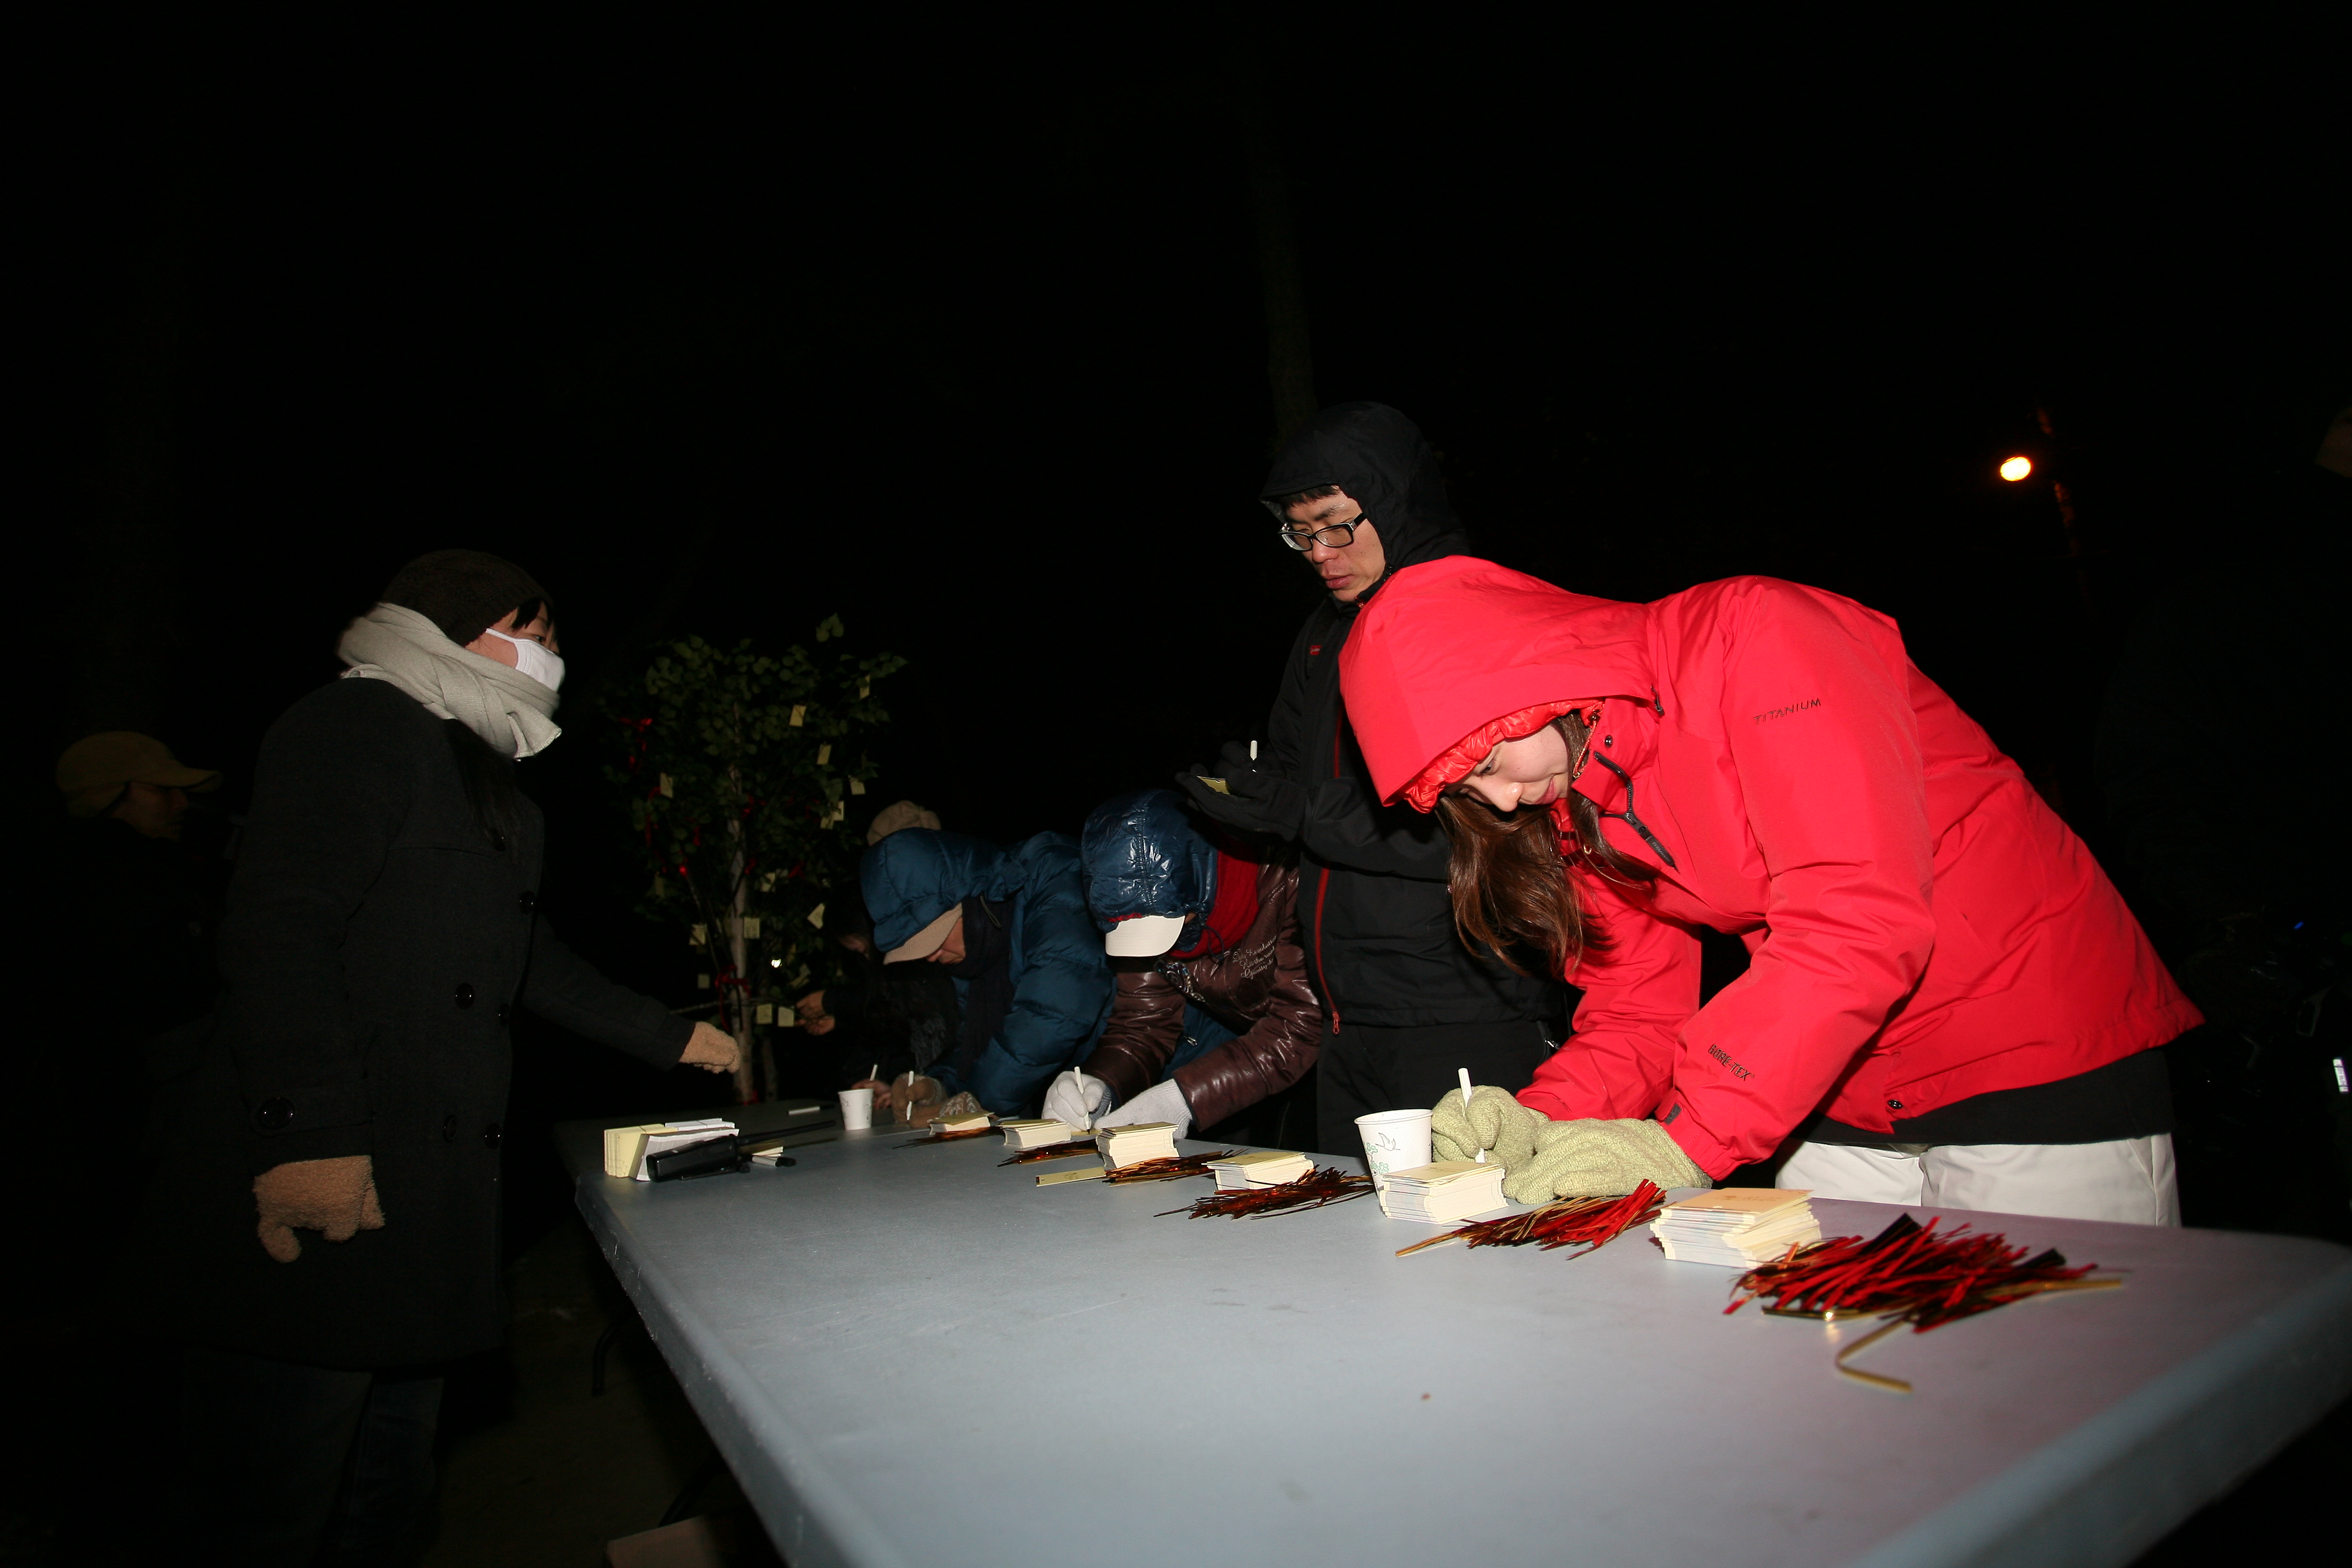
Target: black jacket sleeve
(1286, 723)
(563, 988)
(1343, 828)
(1343, 824)
(330, 789)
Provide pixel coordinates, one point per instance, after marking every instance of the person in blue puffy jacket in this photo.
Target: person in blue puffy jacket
(1012, 927)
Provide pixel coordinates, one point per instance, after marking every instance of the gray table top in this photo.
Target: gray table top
(915, 1356)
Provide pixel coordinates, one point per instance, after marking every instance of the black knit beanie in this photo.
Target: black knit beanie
(462, 591)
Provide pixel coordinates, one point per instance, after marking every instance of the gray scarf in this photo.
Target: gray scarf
(506, 708)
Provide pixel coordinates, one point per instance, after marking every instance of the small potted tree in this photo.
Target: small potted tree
(737, 770)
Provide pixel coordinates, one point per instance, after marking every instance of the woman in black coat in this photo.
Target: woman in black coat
(381, 927)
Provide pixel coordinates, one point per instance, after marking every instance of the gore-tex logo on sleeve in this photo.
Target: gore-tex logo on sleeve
(1771, 713)
(1720, 1054)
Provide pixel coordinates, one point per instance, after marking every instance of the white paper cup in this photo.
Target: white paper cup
(1393, 1140)
(857, 1111)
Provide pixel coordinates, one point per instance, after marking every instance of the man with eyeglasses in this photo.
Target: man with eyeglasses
(1357, 494)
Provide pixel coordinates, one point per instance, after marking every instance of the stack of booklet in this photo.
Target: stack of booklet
(1123, 1146)
(1736, 1227)
(1266, 1168)
(1443, 1192)
(975, 1122)
(1029, 1132)
(625, 1148)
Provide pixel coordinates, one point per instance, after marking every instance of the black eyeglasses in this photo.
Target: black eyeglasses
(1332, 536)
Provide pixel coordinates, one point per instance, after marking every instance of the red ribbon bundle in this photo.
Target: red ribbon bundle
(1168, 1170)
(1909, 1274)
(1589, 1223)
(1070, 1150)
(1318, 1188)
(1929, 1279)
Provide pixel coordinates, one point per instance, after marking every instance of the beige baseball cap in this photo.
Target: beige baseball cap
(95, 768)
(899, 814)
(925, 942)
(1143, 936)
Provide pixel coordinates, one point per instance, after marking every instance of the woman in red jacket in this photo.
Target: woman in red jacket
(1945, 1002)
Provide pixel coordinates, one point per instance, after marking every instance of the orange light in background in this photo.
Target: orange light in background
(2016, 469)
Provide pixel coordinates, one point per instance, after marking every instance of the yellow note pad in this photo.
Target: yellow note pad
(1753, 1201)
(624, 1146)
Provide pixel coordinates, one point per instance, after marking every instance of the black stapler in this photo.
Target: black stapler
(714, 1156)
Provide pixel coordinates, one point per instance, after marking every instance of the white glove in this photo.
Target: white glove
(1077, 1099)
(1163, 1102)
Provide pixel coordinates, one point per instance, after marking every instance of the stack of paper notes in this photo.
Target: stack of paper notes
(1029, 1132)
(1736, 1227)
(975, 1122)
(1124, 1146)
(625, 1148)
(1443, 1192)
(1265, 1168)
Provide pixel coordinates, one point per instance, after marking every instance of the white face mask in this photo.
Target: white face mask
(539, 662)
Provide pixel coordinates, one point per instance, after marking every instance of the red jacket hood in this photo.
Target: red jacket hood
(1450, 646)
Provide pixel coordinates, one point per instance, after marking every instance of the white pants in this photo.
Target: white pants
(2130, 1180)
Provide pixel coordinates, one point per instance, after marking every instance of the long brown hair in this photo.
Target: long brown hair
(1509, 874)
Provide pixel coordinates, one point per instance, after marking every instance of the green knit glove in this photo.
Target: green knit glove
(1497, 1123)
(1599, 1158)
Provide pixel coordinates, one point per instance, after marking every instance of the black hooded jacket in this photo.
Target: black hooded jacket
(1372, 905)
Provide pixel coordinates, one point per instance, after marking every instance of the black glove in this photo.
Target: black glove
(1252, 800)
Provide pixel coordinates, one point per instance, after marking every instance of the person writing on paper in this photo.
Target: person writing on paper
(1011, 926)
(1947, 1002)
(882, 1022)
(324, 1232)
(1212, 1012)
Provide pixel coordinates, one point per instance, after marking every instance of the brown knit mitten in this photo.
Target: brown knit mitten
(335, 1197)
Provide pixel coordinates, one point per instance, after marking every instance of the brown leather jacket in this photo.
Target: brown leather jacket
(1259, 986)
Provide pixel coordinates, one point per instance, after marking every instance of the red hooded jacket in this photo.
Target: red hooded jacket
(1921, 928)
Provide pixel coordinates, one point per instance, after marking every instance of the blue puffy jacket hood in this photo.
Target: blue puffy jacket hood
(918, 874)
(1061, 979)
(1142, 856)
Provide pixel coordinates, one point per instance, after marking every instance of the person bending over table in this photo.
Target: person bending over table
(1946, 1001)
(1012, 927)
(1212, 1012)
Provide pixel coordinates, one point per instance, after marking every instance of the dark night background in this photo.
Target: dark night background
(965, 335)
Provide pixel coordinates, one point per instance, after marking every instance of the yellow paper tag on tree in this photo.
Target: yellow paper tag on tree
(824, 754)
(701, 937)
(800, 715)
(702, 983)
(816, 917)
(752, 927)
(668, 789)
(764, 1014)
(858, 787)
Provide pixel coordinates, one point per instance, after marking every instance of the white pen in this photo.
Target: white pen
(1465, 1109)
